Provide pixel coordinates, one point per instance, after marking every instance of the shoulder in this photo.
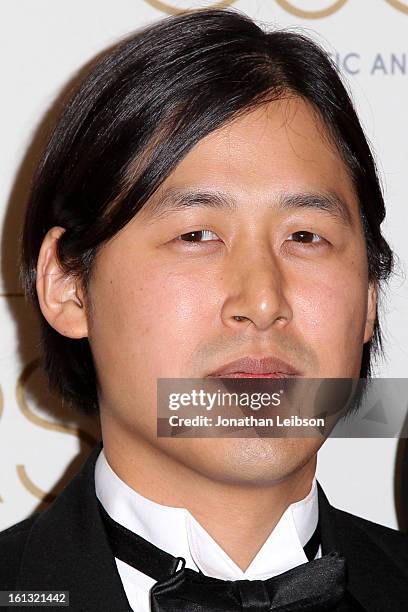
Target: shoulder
(391, 542)
(12, 544)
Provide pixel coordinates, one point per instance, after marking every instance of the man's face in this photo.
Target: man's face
(259, 221)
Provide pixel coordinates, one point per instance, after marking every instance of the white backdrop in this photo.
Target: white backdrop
(43, 44)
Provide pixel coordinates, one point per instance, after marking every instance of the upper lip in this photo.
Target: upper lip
(253, 365)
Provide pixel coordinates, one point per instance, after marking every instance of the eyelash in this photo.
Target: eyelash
(313, 235)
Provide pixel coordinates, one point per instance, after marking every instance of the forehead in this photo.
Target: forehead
(279, 147)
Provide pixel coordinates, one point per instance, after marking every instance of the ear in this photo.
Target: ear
(371, 311)
(60, 295)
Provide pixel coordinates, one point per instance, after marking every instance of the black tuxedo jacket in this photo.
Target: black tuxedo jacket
(65, 548)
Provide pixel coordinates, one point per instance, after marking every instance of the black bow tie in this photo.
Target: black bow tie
(315, 586)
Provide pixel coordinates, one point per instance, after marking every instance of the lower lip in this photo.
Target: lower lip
(251, 375)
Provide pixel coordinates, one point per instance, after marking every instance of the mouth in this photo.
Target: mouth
(250, 367)
(251, 375)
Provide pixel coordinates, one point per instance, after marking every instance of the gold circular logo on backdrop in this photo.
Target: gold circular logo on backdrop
(23, 393)
(311, 14)
(30, 414)
(173, 9)
(399, 5)
(32, 488)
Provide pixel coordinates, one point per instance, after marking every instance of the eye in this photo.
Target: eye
(305, 237)
(198, 236)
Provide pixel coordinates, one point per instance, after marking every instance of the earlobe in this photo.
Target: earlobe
(60, 295)
(371, 312)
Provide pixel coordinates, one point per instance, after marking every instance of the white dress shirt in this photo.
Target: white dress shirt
(177, 532)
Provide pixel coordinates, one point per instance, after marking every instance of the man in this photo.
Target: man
(207, 206)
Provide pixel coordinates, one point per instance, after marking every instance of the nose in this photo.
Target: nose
(256, 292)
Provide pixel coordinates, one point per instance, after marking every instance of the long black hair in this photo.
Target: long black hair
(138, 112)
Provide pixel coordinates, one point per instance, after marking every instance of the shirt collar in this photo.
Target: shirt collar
(177, 532)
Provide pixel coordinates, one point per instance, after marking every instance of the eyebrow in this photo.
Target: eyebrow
(175, 199)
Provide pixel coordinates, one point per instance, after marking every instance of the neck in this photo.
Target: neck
(238, 516)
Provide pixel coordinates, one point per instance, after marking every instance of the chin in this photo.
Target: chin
(250, 461)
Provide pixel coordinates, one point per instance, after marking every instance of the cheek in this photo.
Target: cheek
(330, 313)
(156, 317)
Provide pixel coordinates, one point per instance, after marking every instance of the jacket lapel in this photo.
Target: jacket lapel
(374, 578)
(67, 549)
